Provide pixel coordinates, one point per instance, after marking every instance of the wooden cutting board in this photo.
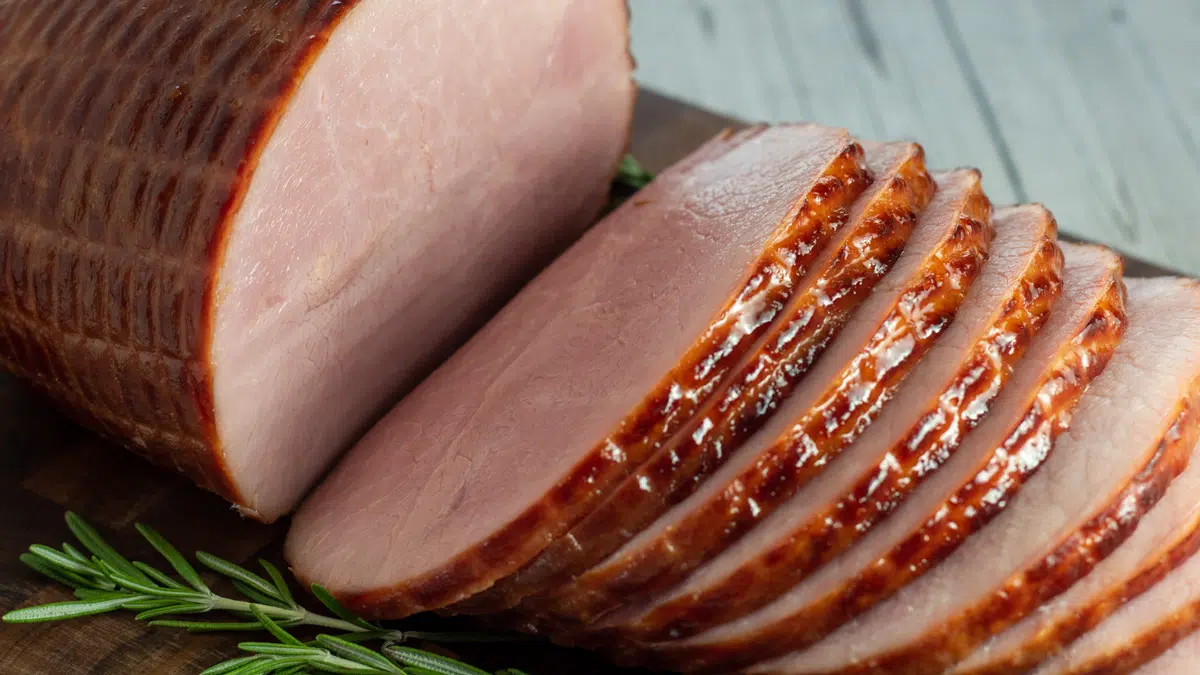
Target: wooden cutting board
(48, 466)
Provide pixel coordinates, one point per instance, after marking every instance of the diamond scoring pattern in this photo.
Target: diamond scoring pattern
(122, 133)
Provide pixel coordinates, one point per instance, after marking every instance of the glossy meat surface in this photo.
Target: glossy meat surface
(834, 405)
(1132, 434)
(1165, 539)
(880, 223)
(568, 389)
(1074, 347)
(947, 395)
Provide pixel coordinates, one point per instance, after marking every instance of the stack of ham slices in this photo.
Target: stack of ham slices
(800, 406)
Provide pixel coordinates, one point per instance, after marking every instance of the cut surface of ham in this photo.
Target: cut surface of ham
(946, 395)
(1130, 437)
(844, 276)
(852, 381)
(232, 233)
(1166, 537)
(568, 389)
(1010, 443)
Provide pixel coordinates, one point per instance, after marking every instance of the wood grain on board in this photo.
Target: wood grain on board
(1089, 106)
(47, 466)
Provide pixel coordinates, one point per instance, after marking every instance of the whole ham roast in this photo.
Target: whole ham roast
(800, 405)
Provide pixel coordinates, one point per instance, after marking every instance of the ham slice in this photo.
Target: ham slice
(946, 396)
(1167, 537)
(1131, 436)
(853, 380)
(232, 233)
(1007, 446)
(865, 250)
(608, 352)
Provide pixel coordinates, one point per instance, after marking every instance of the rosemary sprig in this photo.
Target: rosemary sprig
(632, 174)
(105, 581)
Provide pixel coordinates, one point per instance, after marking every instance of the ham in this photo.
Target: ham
(615, 346)
(1009, 445)
(946, 396)
(1130, 438)
(835, 402)
(232, 233)
(1167, 537)
(865, 250)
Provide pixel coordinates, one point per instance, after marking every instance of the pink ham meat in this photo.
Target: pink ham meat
(572, 385)
(852, 381)
(1131, 436)
(947, 394)
(232, 232)
(1167, 537)
(846, 273)
(1067, 354)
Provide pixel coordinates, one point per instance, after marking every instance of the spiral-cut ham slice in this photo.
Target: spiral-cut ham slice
(1131, 436)
(833, 405)
(232, 232)
(946, 396)
(865, 250)
(1007, 447)
(601, 358)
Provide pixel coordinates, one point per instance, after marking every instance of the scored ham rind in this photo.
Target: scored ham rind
(1069, 352)
(232, 233)
(865, 250)
(572, 385)
(831, 407)
(1131, 436)
(946, 396)
(1166, 537)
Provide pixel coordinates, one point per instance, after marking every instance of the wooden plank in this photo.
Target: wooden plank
(1089, 107)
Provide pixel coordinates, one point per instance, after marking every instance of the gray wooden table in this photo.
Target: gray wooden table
(1089, 106)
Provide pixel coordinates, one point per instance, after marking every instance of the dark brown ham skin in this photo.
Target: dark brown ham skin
(1079, 363)
(119, 333)
(827, 532)
(877, 233)
(919, 317)
(815, 211)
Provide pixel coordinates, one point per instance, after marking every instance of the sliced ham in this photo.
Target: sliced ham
(577, 380)
(946, 396)
(1166, 537)
(1130, 437)
(831, 407)
(1008, 446)
(232, 233)
(865, 250)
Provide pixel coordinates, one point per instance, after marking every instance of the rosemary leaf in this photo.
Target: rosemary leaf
(175, 608)
(58, 611)
(93, 542)
(331, 603)
(231, 665)
(239, 573)
(274, 628)
(281, 584)
(208, 626)
(41, 566)
(182, 567)
(160, 578)
(276, 649)
(408, 656)
(254, 595)
(354, 652)
(75, 553)
(147, 587)
(149, 603)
